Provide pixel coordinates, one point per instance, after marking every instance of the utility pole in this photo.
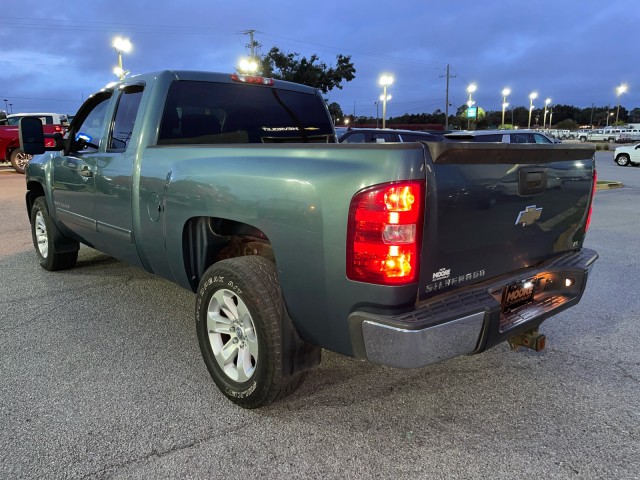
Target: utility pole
(446, 106)
(251, 42)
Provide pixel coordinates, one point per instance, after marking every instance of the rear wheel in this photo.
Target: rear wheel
(19, 160)
(239, 314)
(622, 159)
(45, 235)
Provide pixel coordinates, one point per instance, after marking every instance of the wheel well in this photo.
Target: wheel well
(34, 190)
(207, 240)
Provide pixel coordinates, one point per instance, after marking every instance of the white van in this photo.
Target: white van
(45, 118)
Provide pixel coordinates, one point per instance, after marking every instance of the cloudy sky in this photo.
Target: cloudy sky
(576, 52)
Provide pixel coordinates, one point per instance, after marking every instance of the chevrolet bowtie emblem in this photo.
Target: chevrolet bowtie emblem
(529, 216)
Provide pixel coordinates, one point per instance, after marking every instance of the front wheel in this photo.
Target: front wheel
(19, 160)
(623, 159)
(239, 315)
(45, 234)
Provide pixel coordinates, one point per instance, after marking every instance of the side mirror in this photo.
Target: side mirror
(31, 135)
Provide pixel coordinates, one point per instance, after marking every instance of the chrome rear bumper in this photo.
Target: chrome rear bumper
(470, 321)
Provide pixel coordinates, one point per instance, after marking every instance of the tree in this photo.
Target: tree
(335, 111)
(308, 71)
(568, 124)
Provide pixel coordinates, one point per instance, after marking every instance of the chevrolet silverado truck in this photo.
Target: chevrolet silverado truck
(402, 254)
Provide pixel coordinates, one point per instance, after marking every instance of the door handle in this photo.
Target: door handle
(85, 172)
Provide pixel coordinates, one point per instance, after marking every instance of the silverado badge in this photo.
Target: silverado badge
(529, 216)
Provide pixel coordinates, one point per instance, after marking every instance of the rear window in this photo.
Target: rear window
(207, 112)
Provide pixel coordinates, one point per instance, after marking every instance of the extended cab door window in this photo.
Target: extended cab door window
(125, 118)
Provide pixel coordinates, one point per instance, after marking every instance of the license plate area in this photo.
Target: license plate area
(517, 294)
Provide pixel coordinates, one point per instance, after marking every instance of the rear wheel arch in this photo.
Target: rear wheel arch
(207, 240)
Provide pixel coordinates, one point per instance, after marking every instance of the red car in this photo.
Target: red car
(10, 150)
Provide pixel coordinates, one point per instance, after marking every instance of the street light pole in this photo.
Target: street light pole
(121, 45)
(532, 96)
(470, 89)
(377, 116)
(620, 90)
(6, 105)
(505, 92)
(385, 81)
(544, 118)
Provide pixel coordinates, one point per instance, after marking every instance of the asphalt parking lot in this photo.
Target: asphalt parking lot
(102, 378)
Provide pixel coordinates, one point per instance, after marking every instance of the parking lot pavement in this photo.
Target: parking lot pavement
(102, 378)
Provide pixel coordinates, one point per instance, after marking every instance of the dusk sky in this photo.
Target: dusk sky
(576, 52)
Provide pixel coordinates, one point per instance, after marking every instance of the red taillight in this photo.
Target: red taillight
(385, 225)
(593, 193)
(252, 79)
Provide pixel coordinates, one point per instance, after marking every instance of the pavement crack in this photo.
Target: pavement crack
(109, 470)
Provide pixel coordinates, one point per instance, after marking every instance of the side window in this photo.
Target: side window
(357, 137)
(494, 137)
(92, 116)
(520, 138)
(540, 138)
(384, 137)
(125, 117)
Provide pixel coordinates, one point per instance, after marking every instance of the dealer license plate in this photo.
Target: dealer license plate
(518, 293)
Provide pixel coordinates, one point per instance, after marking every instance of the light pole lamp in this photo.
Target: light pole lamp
(532, 97)
(385, 81)
(544, 118)
(505, 92)
(248, 66)
(619, 91)
(470, 90)
(121, 45)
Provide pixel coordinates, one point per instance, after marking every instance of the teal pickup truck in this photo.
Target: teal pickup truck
(402, 254)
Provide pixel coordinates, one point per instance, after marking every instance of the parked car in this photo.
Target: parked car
(380, 135)
(501, 136)
(629, 155)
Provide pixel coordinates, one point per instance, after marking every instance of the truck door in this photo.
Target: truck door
(113, 180)
(73, 172)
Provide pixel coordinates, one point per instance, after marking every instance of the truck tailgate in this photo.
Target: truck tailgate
(493, 209)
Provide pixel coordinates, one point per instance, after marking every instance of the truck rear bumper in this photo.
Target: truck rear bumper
(469, 321)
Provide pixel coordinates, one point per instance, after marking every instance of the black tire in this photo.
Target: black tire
(20, 160)
(239, 315)
(623, 160)
(611, 140)
(45, 235)
(583, 139)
